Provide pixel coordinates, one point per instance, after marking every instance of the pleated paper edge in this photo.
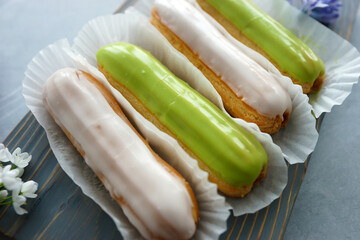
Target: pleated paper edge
(39, 69)
(93, 36)
(295, 147)
(342, 60)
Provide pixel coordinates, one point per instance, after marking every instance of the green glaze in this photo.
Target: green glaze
(232, 153)
(289, 52)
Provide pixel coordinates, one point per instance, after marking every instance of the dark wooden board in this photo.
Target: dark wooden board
(62, 211)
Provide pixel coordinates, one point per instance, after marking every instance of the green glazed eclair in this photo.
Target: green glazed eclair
(254, 28)
(233, 157)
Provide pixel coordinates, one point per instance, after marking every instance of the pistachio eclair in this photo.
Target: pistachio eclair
(155, 197)
(233, 157)
(256, 29)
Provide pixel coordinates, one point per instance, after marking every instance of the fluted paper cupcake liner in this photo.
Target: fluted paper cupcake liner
(342, 63)
(134, 28)
(342, 60)
(213, 209)
(298, 139)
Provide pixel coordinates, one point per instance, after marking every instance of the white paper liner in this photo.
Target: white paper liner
(342, 60)
(132, 27)
(213, 209)
(299, 138)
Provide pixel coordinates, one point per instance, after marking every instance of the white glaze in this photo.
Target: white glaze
(114, 151)
(249, 80)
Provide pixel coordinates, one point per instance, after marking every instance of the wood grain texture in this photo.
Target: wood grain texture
(62, 211)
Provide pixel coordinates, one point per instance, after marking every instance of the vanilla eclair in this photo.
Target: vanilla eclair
(154, 197)
(234, 158)
(248, 91)
(259, 31)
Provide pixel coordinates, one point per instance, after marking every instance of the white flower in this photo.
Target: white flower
(8, 177)
(3, 194)
(28, 189)
(18, 201)
(19, 159)
(5, 155)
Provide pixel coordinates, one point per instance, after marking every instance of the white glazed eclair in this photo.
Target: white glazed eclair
(248, 90)
(154, 197)
(248, 24)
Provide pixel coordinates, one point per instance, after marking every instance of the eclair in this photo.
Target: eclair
(234, 158)
(256, 29)
(154, 196)
(248, 91)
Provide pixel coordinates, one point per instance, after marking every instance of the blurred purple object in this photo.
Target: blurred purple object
(325, 11)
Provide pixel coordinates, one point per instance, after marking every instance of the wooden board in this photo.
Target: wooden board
(62, 211)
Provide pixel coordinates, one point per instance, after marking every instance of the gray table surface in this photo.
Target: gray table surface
(327, 206)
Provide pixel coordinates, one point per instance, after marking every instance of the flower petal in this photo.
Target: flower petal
(3, 194)
(21, 172)
(5, 155)
(29, 188)
(18, 201)
(9, 177)
(12, 183)
(325, 11)
(19, 159)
